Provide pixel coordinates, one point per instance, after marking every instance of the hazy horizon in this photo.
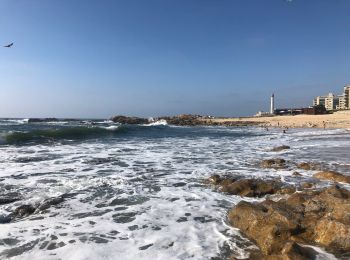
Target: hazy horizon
(84, 59)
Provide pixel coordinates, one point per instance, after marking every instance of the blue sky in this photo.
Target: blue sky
(88, 58)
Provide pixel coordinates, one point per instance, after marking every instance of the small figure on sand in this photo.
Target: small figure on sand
(324, 124)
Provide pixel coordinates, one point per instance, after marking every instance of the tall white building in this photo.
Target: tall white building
(272, 104)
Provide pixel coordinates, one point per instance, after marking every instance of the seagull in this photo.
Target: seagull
(9, 45)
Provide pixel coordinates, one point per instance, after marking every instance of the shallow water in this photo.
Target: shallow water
(137, 192)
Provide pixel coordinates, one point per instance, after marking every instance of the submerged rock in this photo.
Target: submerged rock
(276, 163)
(280, 148)
(47, 203)
(9, 198)
(332, 176)
(310, 217)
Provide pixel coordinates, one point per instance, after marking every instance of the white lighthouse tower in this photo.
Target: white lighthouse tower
(272, 104)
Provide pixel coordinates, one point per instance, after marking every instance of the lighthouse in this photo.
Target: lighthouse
(272, 104)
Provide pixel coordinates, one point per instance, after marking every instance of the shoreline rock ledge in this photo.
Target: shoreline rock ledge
(281, 229)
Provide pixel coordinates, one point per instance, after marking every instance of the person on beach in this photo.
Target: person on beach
(324, 124)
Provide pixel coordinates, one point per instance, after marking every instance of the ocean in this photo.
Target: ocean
(138, 191)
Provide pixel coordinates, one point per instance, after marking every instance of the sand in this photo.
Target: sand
(340, 119)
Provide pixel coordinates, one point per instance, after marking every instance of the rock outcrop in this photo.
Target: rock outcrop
(249, 187)
(129, 120)
(308, 166)
(332, 176)
(279, 228)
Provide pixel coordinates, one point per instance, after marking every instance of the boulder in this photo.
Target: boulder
(332, 176)
(307, 166)
(249, 187)
(276, 163)
(317, 217)
(23, 211)
(280, 148)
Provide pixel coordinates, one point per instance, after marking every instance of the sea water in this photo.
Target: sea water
(138, 192)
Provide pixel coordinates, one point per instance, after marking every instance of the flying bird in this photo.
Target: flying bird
(9, 45)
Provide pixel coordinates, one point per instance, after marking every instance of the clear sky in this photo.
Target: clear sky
(84, 58)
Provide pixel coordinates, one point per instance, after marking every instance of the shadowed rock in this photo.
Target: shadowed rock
(47, 203)
(23, 211)
(129, 120)
(332, 176)
(280, 148)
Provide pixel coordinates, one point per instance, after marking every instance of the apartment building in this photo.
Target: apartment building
(335, 102)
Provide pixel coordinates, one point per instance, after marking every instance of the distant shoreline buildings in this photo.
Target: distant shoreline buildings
(334, 102)
(320, 105)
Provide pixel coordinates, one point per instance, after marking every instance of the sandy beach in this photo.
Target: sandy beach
(339, 119)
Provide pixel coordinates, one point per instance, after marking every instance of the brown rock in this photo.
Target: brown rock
(332, 176)
(307, 185)
(296, 174)
(307, 166)
(311, 217)
(276, 163)
(332, 233)
(250, 187)
(280, 148)
(214, 179)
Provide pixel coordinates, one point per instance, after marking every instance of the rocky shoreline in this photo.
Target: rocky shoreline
(290, 220)
(182, 120)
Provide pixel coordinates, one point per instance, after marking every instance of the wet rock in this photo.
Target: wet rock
(293, 250)
(307, 166)
(129, 120)
(23, 211)
(249, 187)
(317, 217)
(307, 185)
(214, 179)
(276, 163)
(332, 176)
(47, 203)
(286, 190)
(296, 174)
(280, 148)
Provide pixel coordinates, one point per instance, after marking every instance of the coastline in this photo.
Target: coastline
(336, 120)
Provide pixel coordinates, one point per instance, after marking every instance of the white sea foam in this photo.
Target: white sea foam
(159, 122)
(144, 198)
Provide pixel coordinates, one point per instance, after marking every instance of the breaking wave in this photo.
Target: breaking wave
(67, 133)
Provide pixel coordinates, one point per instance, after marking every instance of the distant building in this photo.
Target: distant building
(315, 110)
(334, 102)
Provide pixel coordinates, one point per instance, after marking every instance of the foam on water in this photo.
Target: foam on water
(143, 197)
